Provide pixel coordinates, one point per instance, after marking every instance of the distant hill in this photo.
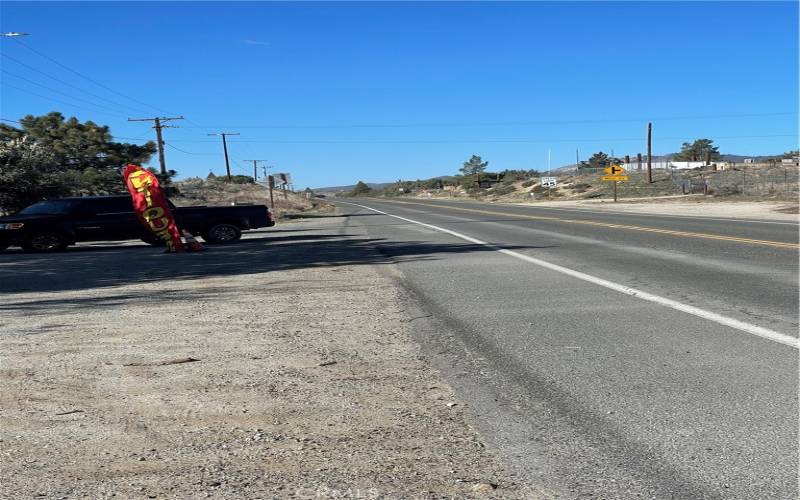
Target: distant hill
(373, 185)
(337, 189)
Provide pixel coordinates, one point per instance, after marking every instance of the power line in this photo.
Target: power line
(242, 170)
(187, 152)
(56, 79)
(62, 82)
(61, 102)
(469, 141)
(106, 87)
(60, 92)
(115, 137)
(511, 123)
(17, 40)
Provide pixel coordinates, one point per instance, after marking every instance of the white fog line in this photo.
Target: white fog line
(673, 304)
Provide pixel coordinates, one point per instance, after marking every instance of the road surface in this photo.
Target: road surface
(610, 355)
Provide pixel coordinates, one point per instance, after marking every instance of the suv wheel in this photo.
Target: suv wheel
(222, 233)
(45, 242)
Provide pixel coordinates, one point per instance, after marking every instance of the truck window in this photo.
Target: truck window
(50, 207)
(105, 206)
(116, 205)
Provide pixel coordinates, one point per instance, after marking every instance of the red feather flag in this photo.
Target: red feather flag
(151, 206)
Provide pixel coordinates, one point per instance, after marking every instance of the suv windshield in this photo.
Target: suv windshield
(54, 207)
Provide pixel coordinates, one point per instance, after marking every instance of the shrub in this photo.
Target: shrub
(503, 189)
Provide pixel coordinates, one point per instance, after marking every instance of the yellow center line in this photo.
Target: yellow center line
(775, 244)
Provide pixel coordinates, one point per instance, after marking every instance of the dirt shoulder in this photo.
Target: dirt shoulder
(306, 384)
(693, 206)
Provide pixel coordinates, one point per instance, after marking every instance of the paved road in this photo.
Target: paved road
(685, 387)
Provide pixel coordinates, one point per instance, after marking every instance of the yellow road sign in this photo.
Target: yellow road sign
(615, 177)
(614, 170)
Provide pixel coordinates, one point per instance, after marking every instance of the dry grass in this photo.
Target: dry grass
(746, 183)
(217, 193)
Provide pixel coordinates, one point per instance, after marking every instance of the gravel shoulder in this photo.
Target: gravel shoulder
(697, 207)
(307, 382)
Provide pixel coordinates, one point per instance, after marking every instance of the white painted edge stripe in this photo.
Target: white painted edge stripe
(674, 304)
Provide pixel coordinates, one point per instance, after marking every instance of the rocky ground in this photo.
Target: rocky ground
(274, 368)
(217, 192)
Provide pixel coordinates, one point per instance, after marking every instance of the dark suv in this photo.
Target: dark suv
(52, 225)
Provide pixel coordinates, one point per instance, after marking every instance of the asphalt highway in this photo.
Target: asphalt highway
(609, 355)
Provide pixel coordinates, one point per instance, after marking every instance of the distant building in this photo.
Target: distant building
(678, 165)
(794, 160)
(749, 161)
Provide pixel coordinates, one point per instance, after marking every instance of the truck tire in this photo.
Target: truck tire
(4, 245)
(45, 241)
(222, 233)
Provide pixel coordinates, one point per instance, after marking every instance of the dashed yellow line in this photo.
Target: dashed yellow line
(774, 244)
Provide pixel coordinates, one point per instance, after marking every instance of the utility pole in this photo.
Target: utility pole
(225, 149)
(650, 152)
(157, 124)
(255, 167)
(577, 162)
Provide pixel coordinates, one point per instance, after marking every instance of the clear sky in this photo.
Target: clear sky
(340, 92)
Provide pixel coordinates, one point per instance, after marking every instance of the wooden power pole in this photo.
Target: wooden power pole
(270, 184)
(225, 150)
(650, 152)
(158, 125)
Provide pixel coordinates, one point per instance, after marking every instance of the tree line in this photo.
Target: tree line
(51, 156)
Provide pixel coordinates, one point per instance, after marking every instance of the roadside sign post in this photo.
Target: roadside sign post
(271, 182)
(549, 182)
(614, 174)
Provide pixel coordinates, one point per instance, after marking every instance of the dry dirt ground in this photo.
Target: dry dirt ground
(306, 384)
(215, 193)
(699, 206)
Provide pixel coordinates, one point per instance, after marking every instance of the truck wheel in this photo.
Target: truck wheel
(45, 242)
(222, 233)
(4, 245)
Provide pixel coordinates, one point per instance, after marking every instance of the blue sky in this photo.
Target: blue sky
(338, 92)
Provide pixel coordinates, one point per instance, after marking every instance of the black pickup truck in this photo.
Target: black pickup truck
(52, 225)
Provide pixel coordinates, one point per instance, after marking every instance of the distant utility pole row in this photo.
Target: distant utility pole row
(255, 169)
(157, 124)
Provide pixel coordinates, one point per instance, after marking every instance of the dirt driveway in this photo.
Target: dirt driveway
(280, 367)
